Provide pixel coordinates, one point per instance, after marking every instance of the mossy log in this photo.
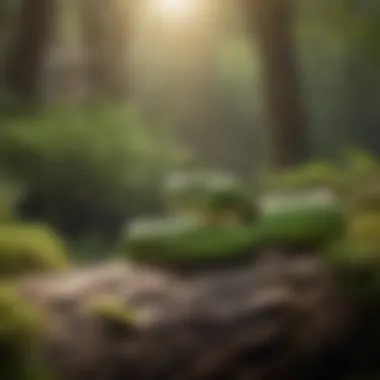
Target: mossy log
(265, 319)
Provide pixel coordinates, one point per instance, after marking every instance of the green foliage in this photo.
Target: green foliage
(191, 187)
(20, 328)
(356, 179)
(204, 244)
(9, 195)
(357, 254)
(211, 194)
(181, 240)
(88, 167)
(315, 174)
(234, 203)
(306, 227)
(360, 247)
(361, 181)
(302, 217)
(354, 254)
(29, 248)
(142, 229)
(352, 246)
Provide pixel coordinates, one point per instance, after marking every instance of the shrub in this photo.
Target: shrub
(87, 169)
(356, 179)
(360, 246)
(29, 248)
(361, 182)
(309, 227)
(216, 196)
(311, 175)
(234, 204)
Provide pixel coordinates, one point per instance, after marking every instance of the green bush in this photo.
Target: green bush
(29, 248)
(356, 182)
(356, 179)
(311, 175)
(360, 246)
(214, 195)
(20, 328)
(307, 227)
(87, 168)
(234, 203)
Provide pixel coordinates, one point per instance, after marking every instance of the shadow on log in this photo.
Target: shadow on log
(270, 319)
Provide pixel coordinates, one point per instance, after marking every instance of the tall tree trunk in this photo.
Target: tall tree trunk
(27, 52)
(271, 27)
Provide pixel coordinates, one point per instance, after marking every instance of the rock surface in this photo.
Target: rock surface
(270, 319)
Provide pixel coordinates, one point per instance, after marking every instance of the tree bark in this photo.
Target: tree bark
(27, 52)
(270, 23)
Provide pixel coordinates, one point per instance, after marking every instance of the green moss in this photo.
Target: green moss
(112, 310)
(29, 248)
(361, 242)
(206, 190)
(314, 226)
(116, 319)
(314, 174)
(356, 257)
(367, 199)
(308, 227)
(209, 243)
(231, 201)
(20, 328)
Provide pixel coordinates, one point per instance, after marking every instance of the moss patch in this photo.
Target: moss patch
(204, 244)
(112, 310)
(309, 227)
(29, 248)
(20, 328)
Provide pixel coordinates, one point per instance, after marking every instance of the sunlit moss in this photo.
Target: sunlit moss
(30, 248)
(112, 310)
(20, 333)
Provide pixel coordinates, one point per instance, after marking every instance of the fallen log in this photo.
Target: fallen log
(271, 318)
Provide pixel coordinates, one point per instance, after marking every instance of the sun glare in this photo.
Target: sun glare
(174, 7)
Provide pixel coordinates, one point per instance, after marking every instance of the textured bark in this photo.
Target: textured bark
(265, 319)
(271, 25)
(27, 53)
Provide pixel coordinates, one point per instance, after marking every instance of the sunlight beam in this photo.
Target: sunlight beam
(174, 8)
